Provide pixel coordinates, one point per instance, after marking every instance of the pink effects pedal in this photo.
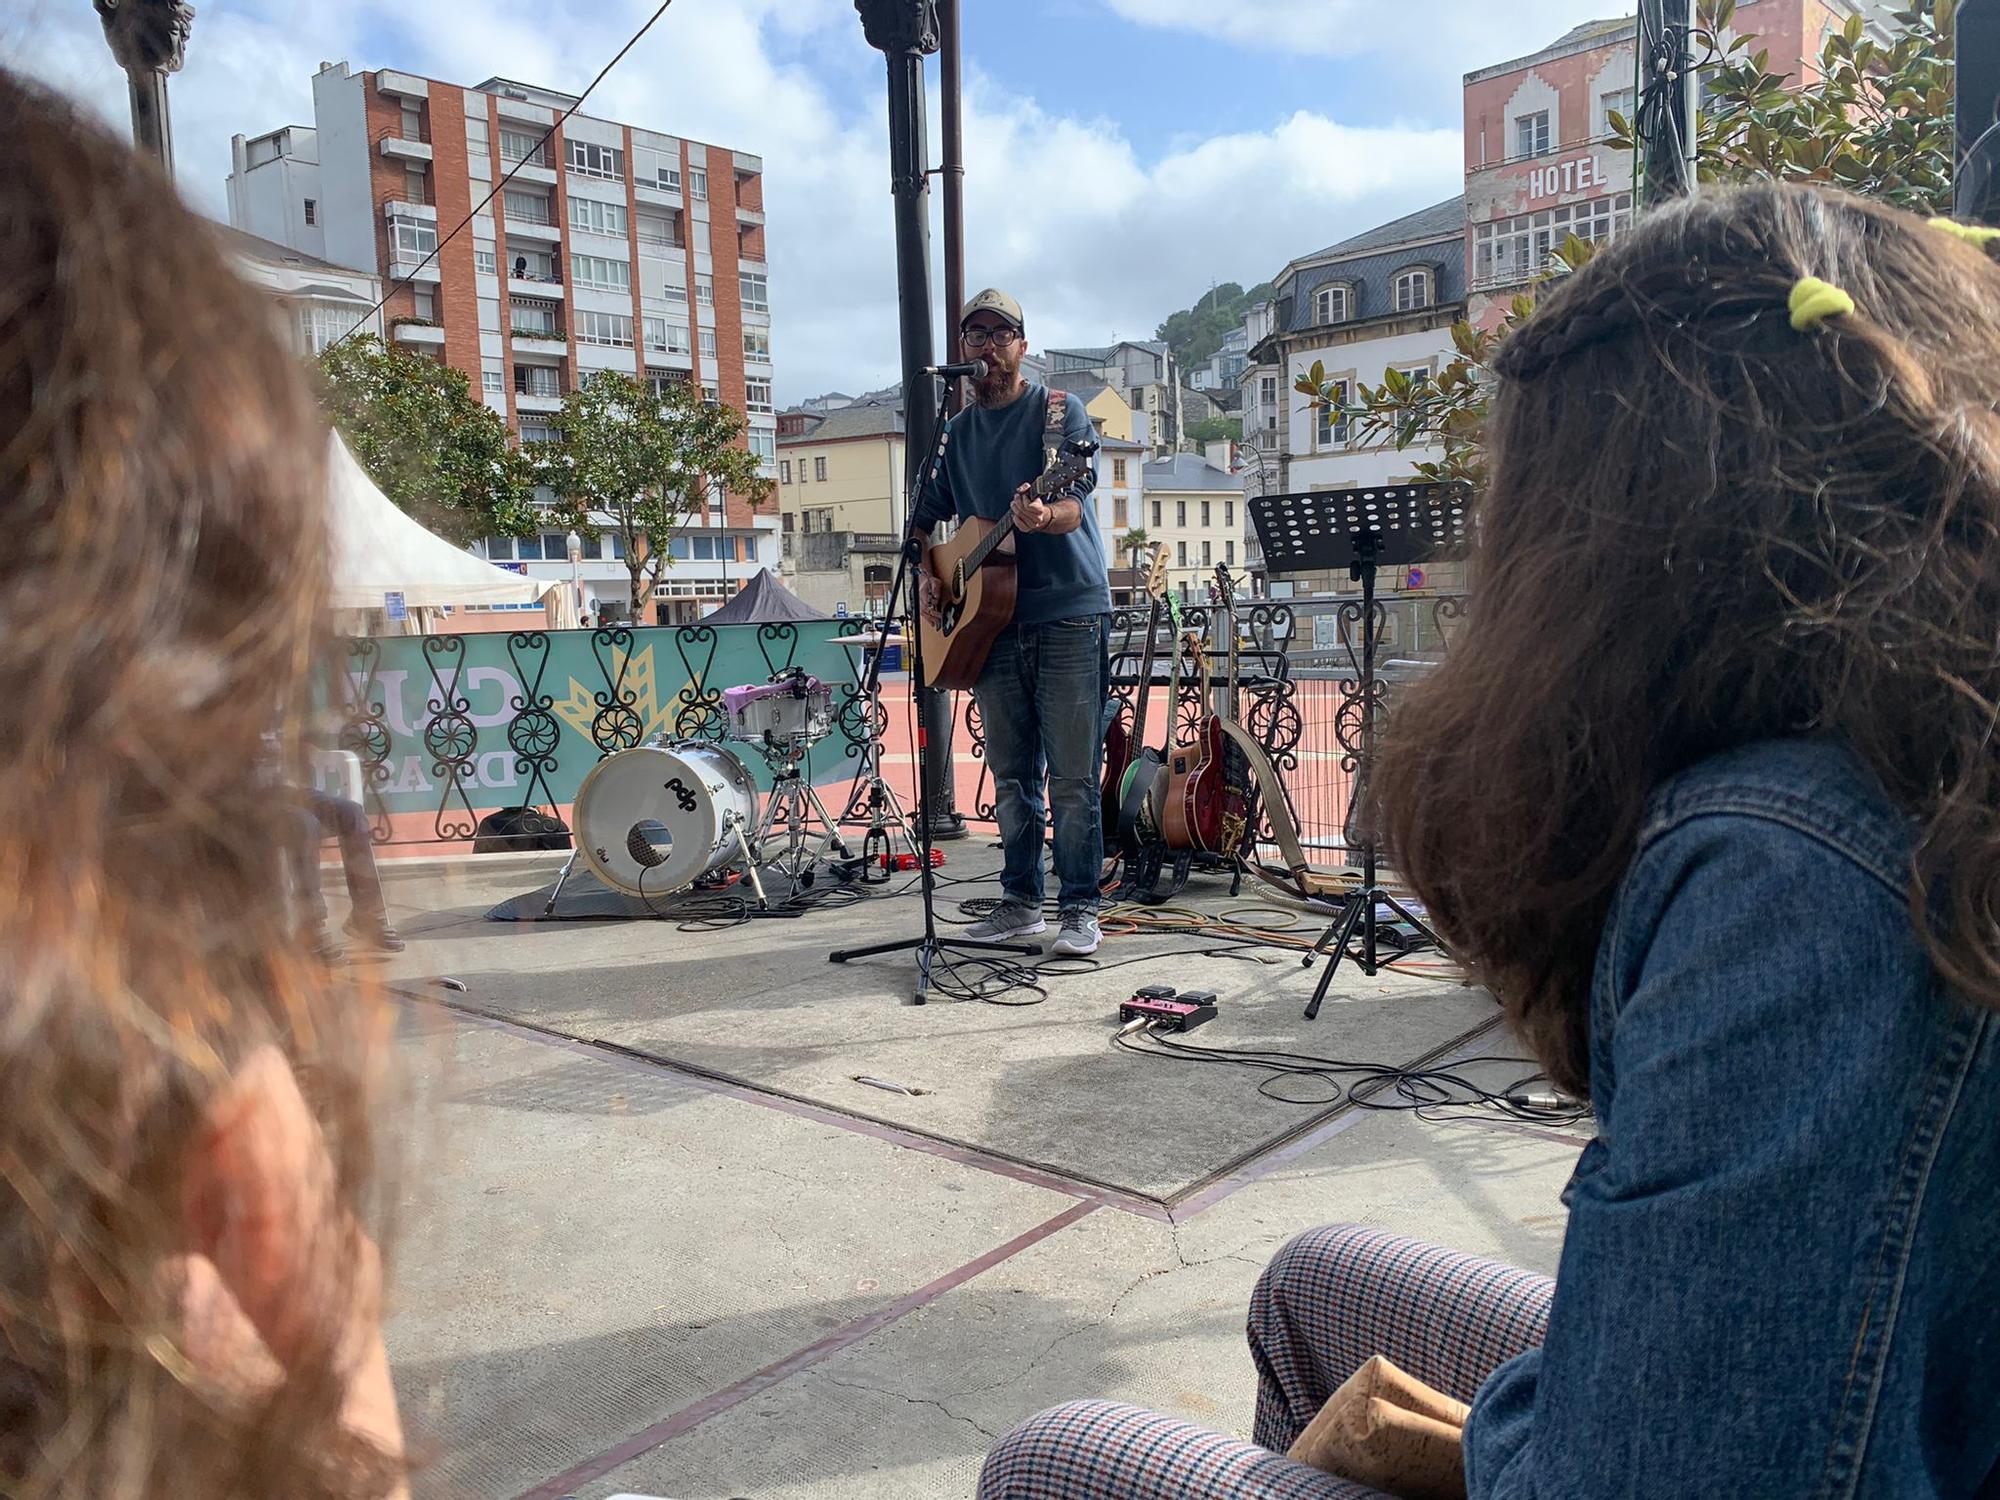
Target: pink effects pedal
(1170, 1011)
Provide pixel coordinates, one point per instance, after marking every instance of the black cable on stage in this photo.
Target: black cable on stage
(400, 282)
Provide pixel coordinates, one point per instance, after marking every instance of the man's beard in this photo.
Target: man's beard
(994, 386)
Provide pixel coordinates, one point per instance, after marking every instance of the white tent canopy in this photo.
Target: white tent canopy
(379, 550)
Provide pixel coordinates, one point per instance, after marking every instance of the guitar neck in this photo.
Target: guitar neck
(1146, 677)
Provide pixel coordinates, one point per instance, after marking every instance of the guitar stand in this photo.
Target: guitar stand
(933, 952)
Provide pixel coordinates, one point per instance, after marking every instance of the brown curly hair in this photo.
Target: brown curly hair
(1704, 528)
(160, 479)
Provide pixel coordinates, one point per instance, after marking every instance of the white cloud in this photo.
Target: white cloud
(1095, 237)
(1453, 36)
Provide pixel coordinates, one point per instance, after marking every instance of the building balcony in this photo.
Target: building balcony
(401, 85)
(538, 401)
(659, 197)
(408, 332)
(749, 215)
(541, 231)
(409, 266)
(510, 108)
(660, 249)
(395, 148)
(530, 170)
(540, 341)
(532, 285)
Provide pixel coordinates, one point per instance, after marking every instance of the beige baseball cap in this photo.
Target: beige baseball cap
(994, 300)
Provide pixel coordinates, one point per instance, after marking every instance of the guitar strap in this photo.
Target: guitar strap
(1283, 828)
(1054, 424)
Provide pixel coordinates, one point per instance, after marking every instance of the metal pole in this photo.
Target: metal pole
(906, 31)
(952, 169)
(1666, 112)
(149, 39)
(1976, 154)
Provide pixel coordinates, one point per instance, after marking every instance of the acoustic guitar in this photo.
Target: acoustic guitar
(1124, 748)
(1191, 805)
(977, 586)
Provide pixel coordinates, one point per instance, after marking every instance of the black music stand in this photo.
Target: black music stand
(1360, 530)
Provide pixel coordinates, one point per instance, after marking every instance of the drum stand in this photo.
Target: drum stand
(793, 795)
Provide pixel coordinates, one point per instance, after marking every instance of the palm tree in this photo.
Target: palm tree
(1133, 543)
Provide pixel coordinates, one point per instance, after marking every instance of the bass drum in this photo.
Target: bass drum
(656, 818)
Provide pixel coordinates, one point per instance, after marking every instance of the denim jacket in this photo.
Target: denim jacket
(1782, 1270)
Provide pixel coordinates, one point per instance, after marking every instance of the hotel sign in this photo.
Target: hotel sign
(1580, 174)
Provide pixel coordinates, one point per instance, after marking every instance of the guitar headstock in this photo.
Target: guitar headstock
(1225, 586)
(1071, 463)
(1156, 572)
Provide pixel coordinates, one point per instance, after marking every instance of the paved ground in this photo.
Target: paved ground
(654, 1237)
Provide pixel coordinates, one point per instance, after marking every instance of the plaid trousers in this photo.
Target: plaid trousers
(1328, 1301)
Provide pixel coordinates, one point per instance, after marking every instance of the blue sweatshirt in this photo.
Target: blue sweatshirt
(990, 454)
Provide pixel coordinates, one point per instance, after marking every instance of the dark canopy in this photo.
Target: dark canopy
(763, 601)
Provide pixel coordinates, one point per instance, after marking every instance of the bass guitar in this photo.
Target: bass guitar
(975, 573)
(1125, 749)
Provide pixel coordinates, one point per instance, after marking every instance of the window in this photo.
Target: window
(1332, 418)
(425, 301)
(1229, 514)
(613, 543)
(1330, 306)
(1118, 511)
(537, 320)
(704, 290)
(1180, 512)
(757, 395)
(1156, 514)
(486, 261)
(1207, 555)
(1117, 471)
(785, 471)
(757, 345)
(1267, 393)
(601, 272)
(1620, 100)
(521, 145)
(413, 122)
(1416, 374)
(764, 443)
(1512, 250)
(312, 211)
(1206, 516)
(613, 329)
(593, 160)
(697, 182)
(666, 337)
(1413, 290)
(536, 380)
(415, 185)
(498, 549)
(537, 432)
(489, 382)
(756, 293)
(668, 179)
(802, 478)
(531, 546)
(663, 381)
(675, 294)
(819, 469)
(412, 239)
(323, 327)
(527, 208)
(1229, 553)
(1181, 553)
(597, 218)
(706, 342)
(1531, 134)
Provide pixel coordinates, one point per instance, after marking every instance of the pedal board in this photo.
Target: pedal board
(1171, 1009)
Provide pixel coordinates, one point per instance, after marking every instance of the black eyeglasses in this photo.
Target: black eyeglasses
(979, 338)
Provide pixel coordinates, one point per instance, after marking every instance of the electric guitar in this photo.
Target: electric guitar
(1123, 748)
(1239, 795)
(977, 585)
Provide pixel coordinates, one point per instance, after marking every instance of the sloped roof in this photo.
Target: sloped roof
(1189, 471)
(1609, 26)
(1438, 220)
(851, 422)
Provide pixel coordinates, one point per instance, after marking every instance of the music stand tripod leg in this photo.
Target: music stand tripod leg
(1340, 934)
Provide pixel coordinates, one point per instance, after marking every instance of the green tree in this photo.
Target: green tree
(1195, 333)
(1133, 544)
(1878, 121)
(633, 464)
(1215, 429)
(433, 448)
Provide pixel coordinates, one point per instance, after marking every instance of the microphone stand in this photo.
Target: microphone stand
(932, 951)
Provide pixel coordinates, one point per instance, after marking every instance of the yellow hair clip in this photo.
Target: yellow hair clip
(1976, 235)
(1814, 301)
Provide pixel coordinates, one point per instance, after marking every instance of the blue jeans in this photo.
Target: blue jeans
(1041, 699)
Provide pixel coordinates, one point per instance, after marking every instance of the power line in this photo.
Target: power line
(508, 176)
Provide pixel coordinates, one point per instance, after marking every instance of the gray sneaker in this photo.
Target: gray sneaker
(1080, 933)
(1009, 919)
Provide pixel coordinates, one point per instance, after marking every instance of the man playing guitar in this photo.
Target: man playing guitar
(1046, 680)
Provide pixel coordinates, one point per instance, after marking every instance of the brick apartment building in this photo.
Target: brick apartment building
(611, 248)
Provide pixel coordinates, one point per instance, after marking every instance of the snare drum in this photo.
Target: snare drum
(773, 712)
(656, 818)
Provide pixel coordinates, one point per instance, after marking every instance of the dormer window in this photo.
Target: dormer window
(1333, 304)
(1413, 289)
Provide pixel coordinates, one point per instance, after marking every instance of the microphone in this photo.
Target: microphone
(975, 368)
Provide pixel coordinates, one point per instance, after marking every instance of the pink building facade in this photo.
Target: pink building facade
(1539, 165)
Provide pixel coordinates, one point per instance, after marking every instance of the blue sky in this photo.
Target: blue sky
(1122, 154)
